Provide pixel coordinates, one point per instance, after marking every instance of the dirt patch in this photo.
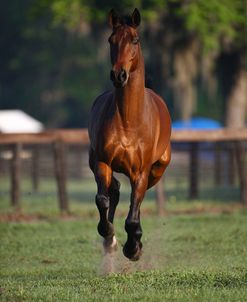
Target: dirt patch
(49, 261)
(29, 218)
(22, 217)
(206, 210)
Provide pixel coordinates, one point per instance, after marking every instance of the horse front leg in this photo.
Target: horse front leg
(133, 246)
(103, 177)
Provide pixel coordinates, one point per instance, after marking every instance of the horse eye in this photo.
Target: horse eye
(135, 40)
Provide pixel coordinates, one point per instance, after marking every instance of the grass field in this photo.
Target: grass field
(196, 257)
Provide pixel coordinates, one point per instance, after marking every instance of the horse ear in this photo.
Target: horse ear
(136, 18)
(113, 18)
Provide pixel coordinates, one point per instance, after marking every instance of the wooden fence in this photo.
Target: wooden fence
(59, 139)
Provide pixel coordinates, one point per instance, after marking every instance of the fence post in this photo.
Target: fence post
(240, 157)
(231, 165)
(217, 164)
(160, 197)
(193, 190)
(1, 161)
(16, 175)
(60, 173)
(35, 167)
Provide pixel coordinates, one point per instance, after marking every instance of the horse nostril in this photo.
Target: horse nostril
(112, 75)
(122, 76)
(119, 78)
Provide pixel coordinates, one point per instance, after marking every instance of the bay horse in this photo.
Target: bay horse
(129, 133)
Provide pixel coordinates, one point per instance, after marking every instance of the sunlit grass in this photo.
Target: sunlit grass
(186, 258)
(46, 257)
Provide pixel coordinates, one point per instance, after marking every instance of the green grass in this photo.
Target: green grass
(200, 257)
(186, 258)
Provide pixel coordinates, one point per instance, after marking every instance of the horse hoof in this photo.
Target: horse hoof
(133, 254)
(106, 230)
(110, 245)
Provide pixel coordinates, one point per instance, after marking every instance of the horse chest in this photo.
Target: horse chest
(124, 154)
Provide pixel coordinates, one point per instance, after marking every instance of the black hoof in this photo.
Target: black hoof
(105, 229)
(133, 253)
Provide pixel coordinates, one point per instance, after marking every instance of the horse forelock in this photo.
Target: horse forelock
(125, 20)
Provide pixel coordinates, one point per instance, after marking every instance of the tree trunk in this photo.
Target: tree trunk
(237, 102)
(185, 69)
(209, 79)
(235, 119)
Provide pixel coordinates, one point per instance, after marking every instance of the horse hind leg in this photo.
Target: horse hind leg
(158, 168)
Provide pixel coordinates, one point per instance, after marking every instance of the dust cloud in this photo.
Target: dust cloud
(153, 257)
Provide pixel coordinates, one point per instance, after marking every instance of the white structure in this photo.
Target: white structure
(17, 121)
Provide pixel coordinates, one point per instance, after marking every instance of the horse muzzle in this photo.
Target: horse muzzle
(120, 78)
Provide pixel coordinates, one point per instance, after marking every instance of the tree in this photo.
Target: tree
(47, 48)
(221, 26)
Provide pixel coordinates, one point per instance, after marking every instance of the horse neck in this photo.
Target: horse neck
(130, 99)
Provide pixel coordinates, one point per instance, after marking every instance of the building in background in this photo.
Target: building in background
(17, 121)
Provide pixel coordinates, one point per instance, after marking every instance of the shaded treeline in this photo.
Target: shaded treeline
(54, 57)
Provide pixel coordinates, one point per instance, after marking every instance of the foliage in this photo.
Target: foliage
(71, 12)
(216, 22)
(44, 73)
(54, 56)
(213, 21)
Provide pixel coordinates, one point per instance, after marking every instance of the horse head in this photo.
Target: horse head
(124, 46)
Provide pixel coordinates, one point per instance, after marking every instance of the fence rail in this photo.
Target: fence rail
(59, 139)
(80, 136)
(46, 137)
